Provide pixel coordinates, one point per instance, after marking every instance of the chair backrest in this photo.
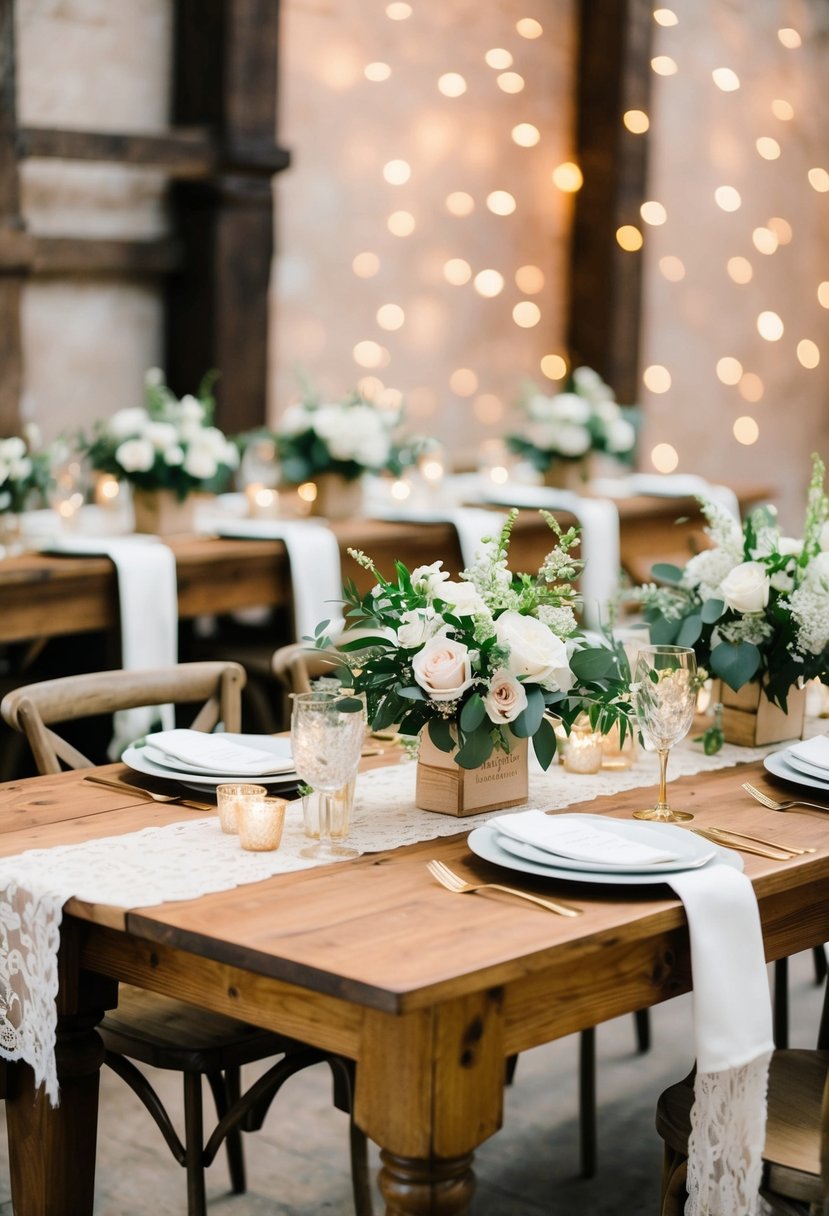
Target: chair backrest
(33, 708)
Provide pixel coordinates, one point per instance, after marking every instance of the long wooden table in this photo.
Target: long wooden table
(44, 596)
(428, 992)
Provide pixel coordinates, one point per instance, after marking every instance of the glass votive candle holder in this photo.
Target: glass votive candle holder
(583, 750)
(616, 755)
(230, 797)
(341, 803)
(260, 822)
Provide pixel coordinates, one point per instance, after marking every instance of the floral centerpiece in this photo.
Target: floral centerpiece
(561, 430)
(755, 605)
(349, 437)
(24, 471)
(477, 665)
(167, 444)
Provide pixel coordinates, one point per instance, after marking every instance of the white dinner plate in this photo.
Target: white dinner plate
(821, 775)
(692, 851)
(280, 765)
(485, 843)
(778, 766)
(137, 758)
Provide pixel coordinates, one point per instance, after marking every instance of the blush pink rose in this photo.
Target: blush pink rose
(442, 669)
(506, 697)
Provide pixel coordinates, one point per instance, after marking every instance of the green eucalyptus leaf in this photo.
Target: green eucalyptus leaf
(441, 735)
(544, 744)
(663, 632)
(529, 720)
(690, 630)
(595, 663)
(735, 663)
(666, 572)
(412, 693)
(476, 750)
(711, 611)
(473, 713)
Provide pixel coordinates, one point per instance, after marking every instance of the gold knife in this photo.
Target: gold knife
(126, 788)
(731, 842)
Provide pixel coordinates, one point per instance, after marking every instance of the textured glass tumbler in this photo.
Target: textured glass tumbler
(327, 734)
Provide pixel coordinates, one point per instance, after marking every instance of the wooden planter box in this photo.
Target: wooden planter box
(337, 498)
(444, 787)
(750, 720)
(162, 513)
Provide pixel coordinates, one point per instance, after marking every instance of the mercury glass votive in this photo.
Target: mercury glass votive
(260, 822)
(230, 797)
(583, 749)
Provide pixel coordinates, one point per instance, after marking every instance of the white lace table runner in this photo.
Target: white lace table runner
(193, 858)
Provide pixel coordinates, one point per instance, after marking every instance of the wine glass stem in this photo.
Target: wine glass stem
(325, 820)
(662, 804)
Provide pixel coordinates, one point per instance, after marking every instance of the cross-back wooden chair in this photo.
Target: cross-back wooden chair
(796, 1153)
(160, 1031)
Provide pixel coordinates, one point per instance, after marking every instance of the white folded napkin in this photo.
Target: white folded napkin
(668, 485)
(814, 751)
(472, 524)
(216, 753)
(579, 837)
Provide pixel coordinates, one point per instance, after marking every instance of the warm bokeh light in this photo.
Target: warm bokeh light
(464, 382)
(656, 378)
(525, 135)
(629, 238)
(781, 228)
(764, 240)
(390, 316)
(729, 370)
(664, 458)
(365, 265)
(751, 388)
(377, 72)
(653, 213)
(488, 409)
(500, 202)
(400, 490)
(783, 110)
(746, 430)
(452, 84)
(390, 399)
(398, 10)
(819, 180)
(526, 314)
(823, 293)
(510, 82)
(808, 354)
(789, 38)
(726, 79)
(370, 354)
(636, 121)
(397, 172)
(460, 203)
(457, 272)
(489, 283)
(498, 58)
(568, 177)
(529, 279)
(401, 223)
(740, 270)
(770, 326)
(665, 16)
(370, 387)
(554, 367)
(672, 268)
(768, 148)
(663, 65)
(727, 198)
(528, 27)
(307, 491)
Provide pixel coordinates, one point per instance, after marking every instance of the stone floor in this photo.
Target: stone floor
(298, 1166)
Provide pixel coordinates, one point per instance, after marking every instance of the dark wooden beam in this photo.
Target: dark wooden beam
(614, 74)
(11, 362)
(43, 255)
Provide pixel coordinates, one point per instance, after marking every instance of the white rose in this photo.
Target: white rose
(572, 440)
(442, 669)
(125, 423)
(416, 627)
(190, 409)
(462, 597)
(534, 651)
(506, 697)
(746, 588)
(620, 435)
(426, 580)
(173, 455)
(200, 463)
(135, 455)
(13, 448)
(569, 407)
(161, 434)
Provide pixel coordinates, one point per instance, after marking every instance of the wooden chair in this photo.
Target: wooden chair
(796, 1152)
(296, 666)
(159, 1031)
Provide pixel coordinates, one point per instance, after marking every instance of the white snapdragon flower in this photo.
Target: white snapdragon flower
(128, 423)
(823, 539)
(135, 455)
(426, 580)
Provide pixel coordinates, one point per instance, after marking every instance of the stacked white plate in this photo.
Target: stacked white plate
(594, 848)
(203, 761)
(803, 763)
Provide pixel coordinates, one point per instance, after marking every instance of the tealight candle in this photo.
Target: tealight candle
(231, 797)
(263, 502)
(260, 822)
(583, 750)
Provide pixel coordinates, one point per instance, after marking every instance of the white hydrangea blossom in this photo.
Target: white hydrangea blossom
(561, 620)
(809, 606)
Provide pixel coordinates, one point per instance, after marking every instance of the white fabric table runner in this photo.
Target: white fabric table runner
(668, 485)
(192, 858)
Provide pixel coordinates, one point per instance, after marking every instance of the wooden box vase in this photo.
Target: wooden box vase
(444, 787)
(163, 513)
(749, 719)
(337, 498)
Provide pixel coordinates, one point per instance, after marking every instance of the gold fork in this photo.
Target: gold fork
(453, 882)
(774, 844)
(743, 846)
(773, 805)
(126, 788)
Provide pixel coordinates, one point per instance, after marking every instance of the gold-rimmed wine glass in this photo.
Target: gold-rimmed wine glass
(664, 700)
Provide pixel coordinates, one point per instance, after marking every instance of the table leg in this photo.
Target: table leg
(434, 1187)
(52, 1149)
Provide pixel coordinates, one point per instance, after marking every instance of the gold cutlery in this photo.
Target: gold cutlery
(773, 844)
(453, 882)
(744, 846)
(773, 805)
(126, 788)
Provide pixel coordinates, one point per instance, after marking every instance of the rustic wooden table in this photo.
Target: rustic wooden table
(427, 992)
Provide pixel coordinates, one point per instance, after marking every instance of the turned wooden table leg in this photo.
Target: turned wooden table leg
(52, 1149)
(436, 1187)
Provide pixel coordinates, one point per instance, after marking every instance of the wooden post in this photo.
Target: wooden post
(11, 275)
(605, 281)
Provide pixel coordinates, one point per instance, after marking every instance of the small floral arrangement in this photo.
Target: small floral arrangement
(481, 661)
(584, 418)
(349, 437)
(168, 444)
(754, 606)
(24, 471)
